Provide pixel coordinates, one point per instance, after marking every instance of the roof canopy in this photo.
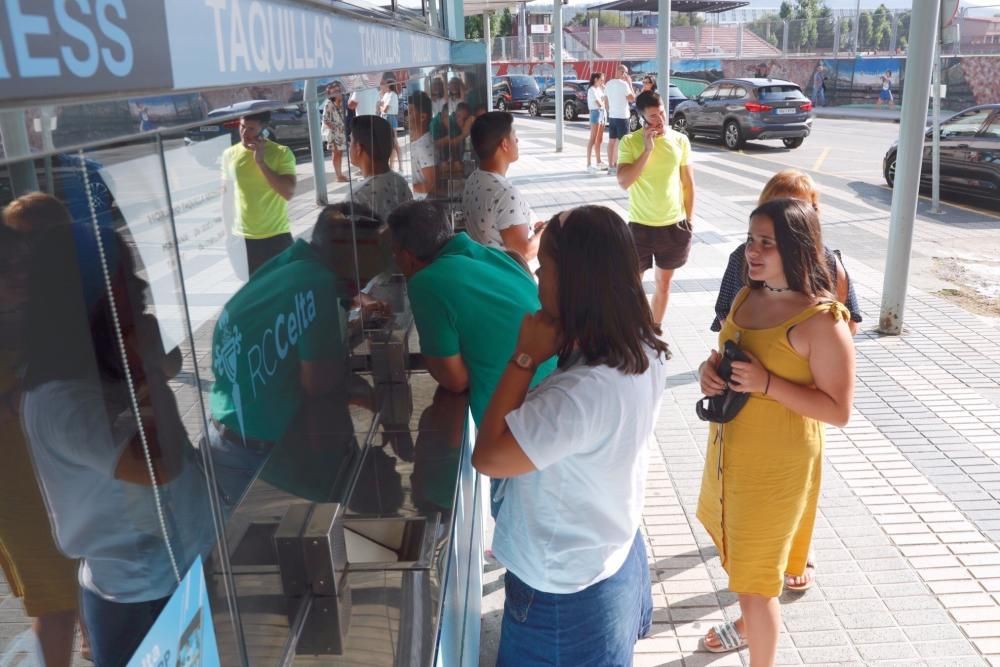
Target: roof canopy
(685, 6)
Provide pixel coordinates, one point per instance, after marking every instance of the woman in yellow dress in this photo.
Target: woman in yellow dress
(762, 471)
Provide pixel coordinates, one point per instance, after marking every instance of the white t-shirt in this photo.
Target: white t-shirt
(618, 92)
(438, 105)
(491, 203)
(572, 522)
(595, 98)
(76, 439)
(390, 101)
(383, 193)
(367, 100)
(421, 156)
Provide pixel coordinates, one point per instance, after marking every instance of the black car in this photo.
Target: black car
(574, 100)
(514, 91)
(970, 154)
(289, 124)
(737, 110)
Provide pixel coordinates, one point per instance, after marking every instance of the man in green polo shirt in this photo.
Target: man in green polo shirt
(279, 356)
(654, 165)
(467, 301)
(258, 180)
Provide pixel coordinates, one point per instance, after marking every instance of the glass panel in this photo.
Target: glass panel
(106, 433)
(779, 93)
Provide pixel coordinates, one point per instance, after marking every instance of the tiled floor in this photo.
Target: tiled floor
(908, 565)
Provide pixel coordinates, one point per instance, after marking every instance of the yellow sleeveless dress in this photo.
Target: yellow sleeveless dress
(762, 470)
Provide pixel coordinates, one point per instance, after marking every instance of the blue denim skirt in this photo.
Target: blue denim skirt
(597, 626)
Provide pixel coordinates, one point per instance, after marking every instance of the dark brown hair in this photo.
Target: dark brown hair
(602, 305)
(800, 245)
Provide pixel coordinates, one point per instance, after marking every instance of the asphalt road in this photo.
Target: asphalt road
(954, 252)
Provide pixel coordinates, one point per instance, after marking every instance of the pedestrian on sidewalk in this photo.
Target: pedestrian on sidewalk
(819, 85)
(39, 575)
(422, 158)
(597, 104)
(496, 214)
(885, 92)
(620, 94)
(649, 83)
(383, 189)
(388, 108)
(789, 183)
(335, 128)
(573, 452)
(258, 180)
(761, 481)
(657, 172)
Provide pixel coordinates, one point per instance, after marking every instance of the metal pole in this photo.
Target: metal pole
(14, 134)
(487, 36)
(663, 46)
(936, 137)
(557, 38)
(524, 32)
(857, 26)
(311, 99)
(912, 125)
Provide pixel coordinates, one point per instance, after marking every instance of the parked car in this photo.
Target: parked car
(574, 100)
(674, 97)
(737, 110)
(514, 91)
(288, 126)
(970, 154)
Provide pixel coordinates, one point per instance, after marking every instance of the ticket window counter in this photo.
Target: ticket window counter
(163, 407)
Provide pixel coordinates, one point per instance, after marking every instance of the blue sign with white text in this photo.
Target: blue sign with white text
(183, 635)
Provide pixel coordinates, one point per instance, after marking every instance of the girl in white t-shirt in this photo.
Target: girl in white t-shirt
(597, 104)
(571, 454)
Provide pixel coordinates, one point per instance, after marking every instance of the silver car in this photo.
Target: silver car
(736, 110)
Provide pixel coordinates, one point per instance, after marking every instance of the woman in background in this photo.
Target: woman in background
(597, 104)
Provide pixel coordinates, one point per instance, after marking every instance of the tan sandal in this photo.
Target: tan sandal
(809, 575)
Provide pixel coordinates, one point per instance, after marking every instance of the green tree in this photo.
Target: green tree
(881, 28)
(500, 25)
(687, 19)
(864, 30)
(805, 17)
(767, 27)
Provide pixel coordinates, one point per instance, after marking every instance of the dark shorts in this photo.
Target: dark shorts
(669, 245)
(618, 127)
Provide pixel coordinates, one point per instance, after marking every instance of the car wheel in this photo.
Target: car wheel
(732, 136)
(890, 169)
(570, 112)
(681, 125)
(533, 109)
(633, 122)
(501, 105)
(793, 143)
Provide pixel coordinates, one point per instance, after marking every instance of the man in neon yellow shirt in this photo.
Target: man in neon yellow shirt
(258, 179)
(654, 166)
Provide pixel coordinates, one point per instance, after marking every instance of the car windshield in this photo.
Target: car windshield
(779, 93)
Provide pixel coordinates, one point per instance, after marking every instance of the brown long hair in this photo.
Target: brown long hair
(800, 244)
(603, 309)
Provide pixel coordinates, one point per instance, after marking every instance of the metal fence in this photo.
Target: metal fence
(842, 34)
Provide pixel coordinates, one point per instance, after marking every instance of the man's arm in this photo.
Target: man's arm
(687, 183)
(450, 372)
(429, 183)
(283, 184)
(518, 239)
(628, 173)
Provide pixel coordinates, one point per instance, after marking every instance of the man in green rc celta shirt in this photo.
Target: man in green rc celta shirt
(279, 356)
(467, 301)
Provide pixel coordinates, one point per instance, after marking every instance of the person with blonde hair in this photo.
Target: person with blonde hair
(797, 185)
(761, 481)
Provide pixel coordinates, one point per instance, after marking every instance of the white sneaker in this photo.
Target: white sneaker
(612, 171)
(602, 166)
(591, 169)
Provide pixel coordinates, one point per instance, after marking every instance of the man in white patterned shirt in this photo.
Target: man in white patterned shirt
(496, 214)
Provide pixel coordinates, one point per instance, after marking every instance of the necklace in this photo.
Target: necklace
(776, 289)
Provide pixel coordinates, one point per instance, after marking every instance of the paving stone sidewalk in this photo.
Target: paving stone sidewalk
(908, 565)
